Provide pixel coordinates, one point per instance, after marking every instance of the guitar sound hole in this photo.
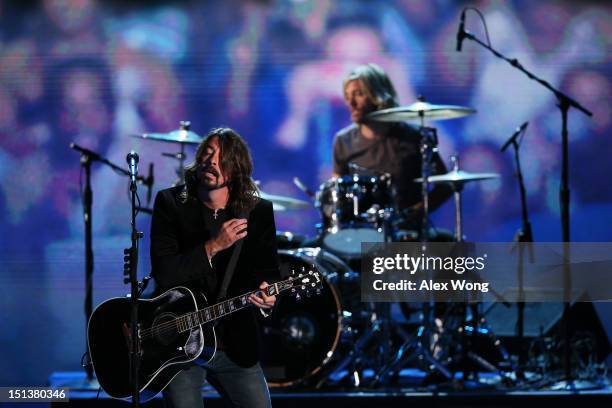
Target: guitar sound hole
(164, 329)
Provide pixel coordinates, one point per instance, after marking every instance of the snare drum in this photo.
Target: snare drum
(352, 208)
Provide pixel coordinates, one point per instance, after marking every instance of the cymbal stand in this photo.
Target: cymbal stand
(180, 169)
(180, 156)
(421, 341)
(478, 325)
(457, 189)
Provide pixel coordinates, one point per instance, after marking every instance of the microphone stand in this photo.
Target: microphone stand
(564, 103)
(524, 235)
(87, 158)
(130, 272)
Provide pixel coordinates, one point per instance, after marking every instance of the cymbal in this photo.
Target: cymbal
(177, 136)
(283, 203)
(458, 177)
(419, 110)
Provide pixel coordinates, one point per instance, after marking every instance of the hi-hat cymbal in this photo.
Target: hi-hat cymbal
(283, 203)
(458, 177)
(176, 136)
(420, 110)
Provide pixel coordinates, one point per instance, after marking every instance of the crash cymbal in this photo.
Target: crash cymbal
(283, 203)
(181, 135)
(418, 111)
(458, 177)
(177, 136)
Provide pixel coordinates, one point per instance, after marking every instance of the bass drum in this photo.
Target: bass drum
(302, 335)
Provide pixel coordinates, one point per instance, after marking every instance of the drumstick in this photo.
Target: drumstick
(302, 187)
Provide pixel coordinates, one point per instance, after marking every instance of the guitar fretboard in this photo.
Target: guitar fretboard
(210, 313)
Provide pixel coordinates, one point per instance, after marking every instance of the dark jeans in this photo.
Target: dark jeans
(238, 386)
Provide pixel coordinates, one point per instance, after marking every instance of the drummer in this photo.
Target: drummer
(384, 147)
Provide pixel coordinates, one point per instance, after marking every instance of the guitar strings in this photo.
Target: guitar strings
(173, 324)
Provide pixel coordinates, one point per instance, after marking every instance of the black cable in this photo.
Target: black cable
(138, 203)
(484, 23)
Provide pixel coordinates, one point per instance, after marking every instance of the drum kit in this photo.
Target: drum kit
(332, 338)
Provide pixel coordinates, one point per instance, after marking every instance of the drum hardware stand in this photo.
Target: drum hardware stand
(456, 179)
(180, 156)
(524, 235)
(457, 189)
(466, 353)
(355, 361)
(478, 326)
(564, 103)
(87, 158)
(376, 335)
(428, 146)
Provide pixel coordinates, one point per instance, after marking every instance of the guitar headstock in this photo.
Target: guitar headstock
(303, 281)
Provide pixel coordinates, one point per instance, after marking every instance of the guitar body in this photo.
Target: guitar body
(164, 350)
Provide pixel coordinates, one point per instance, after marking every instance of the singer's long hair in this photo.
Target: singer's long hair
(237, 167)
(378, 87)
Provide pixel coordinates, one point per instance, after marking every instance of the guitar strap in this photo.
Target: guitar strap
(231, 266)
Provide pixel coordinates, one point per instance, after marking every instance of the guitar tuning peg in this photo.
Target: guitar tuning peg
(303, 269)
(298, 297)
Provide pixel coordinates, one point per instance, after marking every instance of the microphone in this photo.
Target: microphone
(132, 161)
(461, 31)
(85, 151)
(302, 187)
(516, 133)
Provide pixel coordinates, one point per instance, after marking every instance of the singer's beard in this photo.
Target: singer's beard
(208, 187)
(210, 184)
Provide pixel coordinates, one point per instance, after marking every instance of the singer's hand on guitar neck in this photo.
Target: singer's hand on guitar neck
(260, 299)
(230, 232)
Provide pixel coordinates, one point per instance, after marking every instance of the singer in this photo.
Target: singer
(196, 228)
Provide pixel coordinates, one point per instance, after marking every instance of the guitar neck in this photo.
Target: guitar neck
(224, 308)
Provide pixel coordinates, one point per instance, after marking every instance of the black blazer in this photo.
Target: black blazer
(178, 257)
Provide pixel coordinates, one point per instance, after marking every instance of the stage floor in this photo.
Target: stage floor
(85, 394)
